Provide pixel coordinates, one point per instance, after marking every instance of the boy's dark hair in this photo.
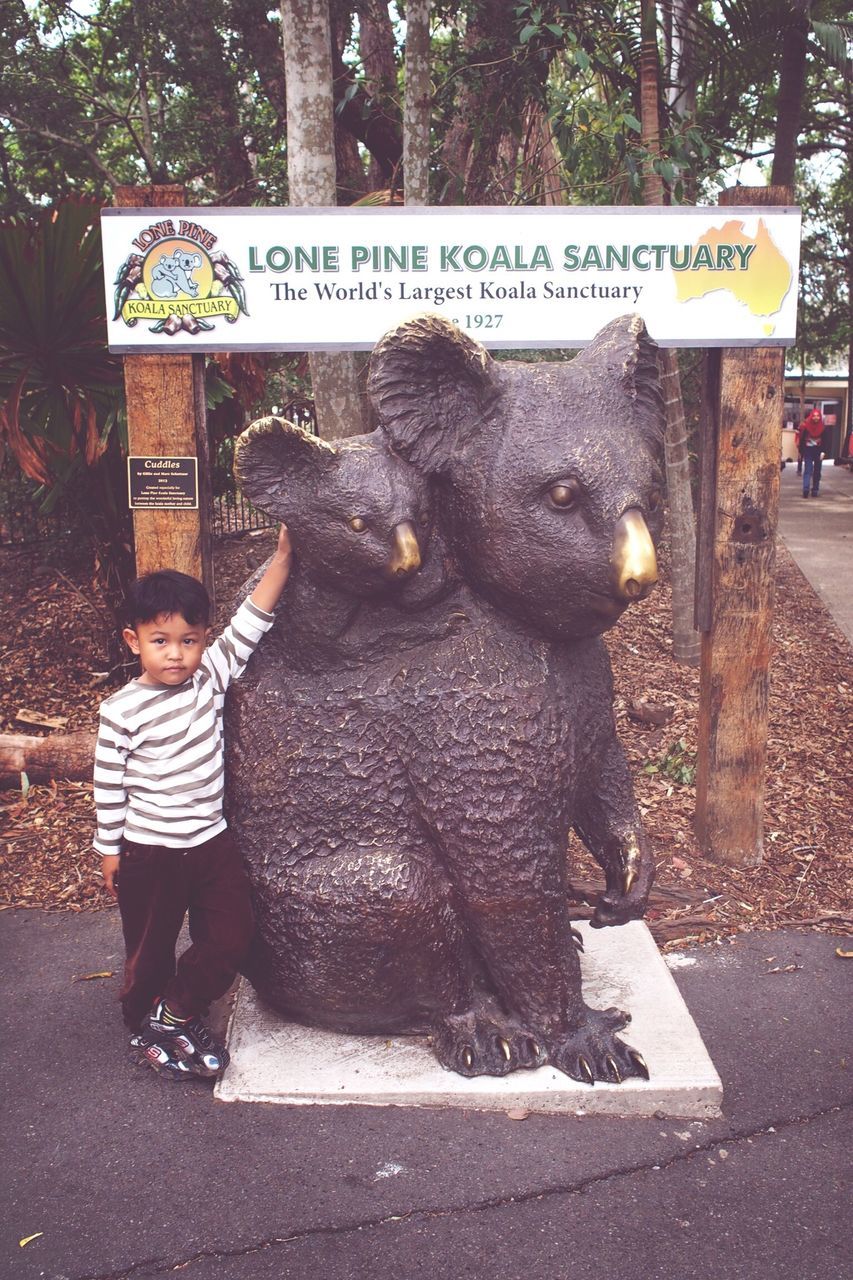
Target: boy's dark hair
(166, 591)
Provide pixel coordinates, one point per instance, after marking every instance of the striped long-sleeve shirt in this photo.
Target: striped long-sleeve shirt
(159, 759)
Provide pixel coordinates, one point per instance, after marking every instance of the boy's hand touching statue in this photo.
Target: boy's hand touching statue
(271, 585)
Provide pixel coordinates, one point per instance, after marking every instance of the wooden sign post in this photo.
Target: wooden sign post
(739, 507)
(167, 419)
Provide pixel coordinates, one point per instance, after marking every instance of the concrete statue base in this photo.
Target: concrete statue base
(283, 1062)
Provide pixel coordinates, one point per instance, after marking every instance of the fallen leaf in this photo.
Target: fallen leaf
(28, 1239)
(517, 1113)
(90, 977)
(785, 968)
(844, 955)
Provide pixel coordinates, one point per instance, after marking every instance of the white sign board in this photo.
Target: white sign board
(189, 280)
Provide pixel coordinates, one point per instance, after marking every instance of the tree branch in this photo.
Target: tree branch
(66, 142)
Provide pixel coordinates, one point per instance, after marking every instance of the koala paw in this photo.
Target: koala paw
(476, 1043)
(618, 909)
(617, 904)
(593, 1051)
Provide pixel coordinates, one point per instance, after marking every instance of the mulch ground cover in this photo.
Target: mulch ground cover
(53, 659)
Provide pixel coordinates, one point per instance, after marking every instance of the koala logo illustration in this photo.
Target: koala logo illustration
(173, 275)
(184, 265)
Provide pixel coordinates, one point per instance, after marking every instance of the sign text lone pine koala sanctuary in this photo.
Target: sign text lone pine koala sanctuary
(431, 713)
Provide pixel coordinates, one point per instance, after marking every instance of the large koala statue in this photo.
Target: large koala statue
(410, 747)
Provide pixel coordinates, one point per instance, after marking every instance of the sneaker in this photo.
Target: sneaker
(157, 1057)
(188, 1041)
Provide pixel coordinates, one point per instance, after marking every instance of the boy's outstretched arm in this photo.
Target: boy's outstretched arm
(271, 585)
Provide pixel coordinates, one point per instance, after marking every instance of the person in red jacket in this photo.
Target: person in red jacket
(813, 443)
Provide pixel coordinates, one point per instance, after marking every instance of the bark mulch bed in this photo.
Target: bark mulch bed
(53, 657)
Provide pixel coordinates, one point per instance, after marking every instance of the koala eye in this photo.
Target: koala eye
(655, 499)
(565, 495)
(357, 524)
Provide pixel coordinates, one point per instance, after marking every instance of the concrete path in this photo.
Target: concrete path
(819, 535)
(125, 1175)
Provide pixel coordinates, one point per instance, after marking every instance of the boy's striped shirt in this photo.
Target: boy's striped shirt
(159, 759)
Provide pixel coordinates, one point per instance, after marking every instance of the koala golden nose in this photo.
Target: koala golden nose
(406, 556)
(633, 561)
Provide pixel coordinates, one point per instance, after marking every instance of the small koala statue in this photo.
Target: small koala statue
(431, 714)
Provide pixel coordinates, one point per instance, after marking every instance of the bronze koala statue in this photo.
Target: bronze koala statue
(403, 784)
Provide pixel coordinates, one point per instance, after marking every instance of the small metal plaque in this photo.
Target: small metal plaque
(162, 483)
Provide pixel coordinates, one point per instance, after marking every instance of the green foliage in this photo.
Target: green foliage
(678, 764)
(61, 393)
(593, 105)
(825, 329)
(60, 389)
(137, 91)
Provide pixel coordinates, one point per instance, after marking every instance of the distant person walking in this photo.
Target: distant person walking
(813, 442)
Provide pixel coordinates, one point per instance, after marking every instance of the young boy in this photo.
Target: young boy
(166, 849)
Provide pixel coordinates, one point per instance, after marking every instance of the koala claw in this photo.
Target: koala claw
(577, 939)
(593, 1052)
(485, 1042)
(613, 1066)
(639, 1062)
(585, 1070)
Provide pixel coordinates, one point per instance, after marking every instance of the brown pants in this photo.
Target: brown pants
(157, 887)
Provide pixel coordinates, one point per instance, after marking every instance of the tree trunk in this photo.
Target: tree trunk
(681, 87)
(792, 83)
(686, 640)
(360, 114)
(311, 178)
(416, 111)
(848, 425)
(541, 166)
(62, 755)
(378, 58)
(497, 84)
(205, 68)
(686, 644)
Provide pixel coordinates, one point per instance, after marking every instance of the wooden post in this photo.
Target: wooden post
(166, 417)
(738, 516)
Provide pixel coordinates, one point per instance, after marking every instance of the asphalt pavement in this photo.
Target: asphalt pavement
(123, 1174)
(110, 1172)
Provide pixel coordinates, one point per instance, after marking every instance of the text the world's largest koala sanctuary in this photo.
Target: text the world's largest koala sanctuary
(431, 714)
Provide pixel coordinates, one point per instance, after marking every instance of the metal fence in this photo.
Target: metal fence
(23, 524)
(233, 514)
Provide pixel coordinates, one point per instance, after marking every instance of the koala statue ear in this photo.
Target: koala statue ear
(270, 454)
(428, 382)
(625, 349)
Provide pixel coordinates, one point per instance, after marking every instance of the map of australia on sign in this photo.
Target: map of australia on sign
(761, 285)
